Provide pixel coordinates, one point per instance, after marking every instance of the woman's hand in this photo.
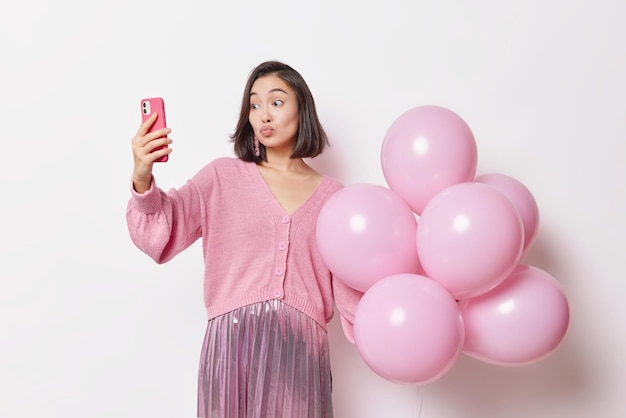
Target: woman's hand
(147, 147)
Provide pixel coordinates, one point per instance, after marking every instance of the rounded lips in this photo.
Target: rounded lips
(266, 130)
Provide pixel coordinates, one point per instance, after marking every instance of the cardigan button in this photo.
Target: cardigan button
(278, 293)
(282, 246)
(279, 271)
(285, 219)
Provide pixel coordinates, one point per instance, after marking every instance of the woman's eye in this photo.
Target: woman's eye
(277, 102)
(254, 106)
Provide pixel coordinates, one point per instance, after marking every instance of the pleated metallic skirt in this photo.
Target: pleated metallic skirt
(265, 360)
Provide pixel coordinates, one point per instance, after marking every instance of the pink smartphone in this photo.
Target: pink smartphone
(150, 106)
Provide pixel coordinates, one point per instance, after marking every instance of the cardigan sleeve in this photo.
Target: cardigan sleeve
(346, 300)
(164, 224)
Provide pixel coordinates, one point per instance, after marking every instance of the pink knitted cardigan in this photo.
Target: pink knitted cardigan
(253, 250)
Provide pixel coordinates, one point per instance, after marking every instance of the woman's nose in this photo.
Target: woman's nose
(265, 116)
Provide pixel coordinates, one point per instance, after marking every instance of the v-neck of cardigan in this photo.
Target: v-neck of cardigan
(265, 188)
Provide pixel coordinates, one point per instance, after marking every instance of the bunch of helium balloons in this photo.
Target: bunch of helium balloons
(437, 256)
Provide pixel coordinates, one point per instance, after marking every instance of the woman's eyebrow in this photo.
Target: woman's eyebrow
(252, 93)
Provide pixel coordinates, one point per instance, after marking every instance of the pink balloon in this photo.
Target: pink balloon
(425, 150)
(520, 322)
(408, 329)
(469, 238)
(366, 232)
(521, 198)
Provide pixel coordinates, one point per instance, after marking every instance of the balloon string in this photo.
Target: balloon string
(418, 403)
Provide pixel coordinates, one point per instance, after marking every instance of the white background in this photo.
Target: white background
(90, 327)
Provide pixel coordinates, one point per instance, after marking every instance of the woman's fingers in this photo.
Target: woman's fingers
(146, 125)
(144, 129)
(155, 146)
(148, 150)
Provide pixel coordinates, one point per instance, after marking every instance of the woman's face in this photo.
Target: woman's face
(274, 113)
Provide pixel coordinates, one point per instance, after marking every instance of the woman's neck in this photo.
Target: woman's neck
(283, 162)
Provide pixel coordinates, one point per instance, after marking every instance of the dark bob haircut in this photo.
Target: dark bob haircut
(311, 137)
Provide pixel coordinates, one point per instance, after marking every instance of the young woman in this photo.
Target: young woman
(267, 291)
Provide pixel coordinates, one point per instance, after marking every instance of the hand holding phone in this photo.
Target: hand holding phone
(148, 107)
